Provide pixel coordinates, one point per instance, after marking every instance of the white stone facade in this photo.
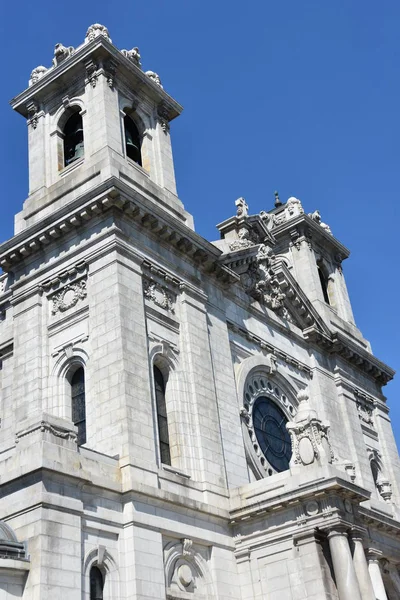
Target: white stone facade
(263, 466)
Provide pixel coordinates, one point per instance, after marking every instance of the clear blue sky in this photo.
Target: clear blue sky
(299, 96)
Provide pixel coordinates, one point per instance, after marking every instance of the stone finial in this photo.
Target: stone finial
(61, 52)
(309, 436)
(277, 200)
(242, 209)
(94, 31)
(133, 55)
(154, 77)
(37, 74)
(384, 488)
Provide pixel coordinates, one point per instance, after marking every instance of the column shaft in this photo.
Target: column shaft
(376, 576)
(345, 575)
(361, 569)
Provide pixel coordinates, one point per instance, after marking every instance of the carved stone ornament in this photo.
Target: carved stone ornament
(159, 295)
(293, 208)
(110, 69)
(261, 283)
(384, 488)
(3, 284)
(365, 412)
(246, 240)
(163, 117)
(61, 52)
(316, 216)
(33, 114)
(91, 72)
(69, 296)
(37, 74)
(186, 572)
(133, 55)
(94, 31)
(242, 209)
(154, 77)
(309, 435)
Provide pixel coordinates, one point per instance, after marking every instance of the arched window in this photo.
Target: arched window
(78, 403)
(270, 428)
(375, 470)
(162, 421)
(132, 141)
(73, 139)
(96, 584)
(324, 284)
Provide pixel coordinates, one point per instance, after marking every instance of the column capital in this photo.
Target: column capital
(338, 530)
(373, 554)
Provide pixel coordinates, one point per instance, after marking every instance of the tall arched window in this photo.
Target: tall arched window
(96, 584)
(162, 421)
(132, 141)
(324, 284)
(73, 139)
(78, 403)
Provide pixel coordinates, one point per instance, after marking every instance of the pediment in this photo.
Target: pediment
(268, 280)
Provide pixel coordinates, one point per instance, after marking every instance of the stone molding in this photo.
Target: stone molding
(266, 347)
(47, 424)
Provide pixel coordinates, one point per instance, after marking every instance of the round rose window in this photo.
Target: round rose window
(272, 436)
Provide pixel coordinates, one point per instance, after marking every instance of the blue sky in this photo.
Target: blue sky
(302, 97)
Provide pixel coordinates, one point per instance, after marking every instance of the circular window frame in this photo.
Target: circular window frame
(260, 385)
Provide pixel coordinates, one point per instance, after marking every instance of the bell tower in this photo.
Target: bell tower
(92, 116)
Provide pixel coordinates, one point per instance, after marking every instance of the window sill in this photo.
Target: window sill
(66, 170)
(175, 471)
(132, 163)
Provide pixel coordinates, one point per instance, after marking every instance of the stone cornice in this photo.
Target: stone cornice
(257, 506)
(115, 195)
(101, 49)
(338, 344)
(315, 231)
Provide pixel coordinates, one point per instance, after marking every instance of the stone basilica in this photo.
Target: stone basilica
(180, 419)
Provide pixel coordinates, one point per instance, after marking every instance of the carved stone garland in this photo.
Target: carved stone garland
(257, 386)
(310, 436)
(68, 296)
(158, 294)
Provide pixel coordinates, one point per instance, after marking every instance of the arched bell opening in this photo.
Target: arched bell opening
(74, 148)
(133, 142)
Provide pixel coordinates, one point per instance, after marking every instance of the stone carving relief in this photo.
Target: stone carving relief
(61, 52)
(33, 114)
(382, 483)
(154, 77)
(94, 31)
(246, 240)
(293, 208)
(261, 283)
(158, 294)
(316, 216)
(309, 435)
(163, 117)
(46, 426)
(3, 284)
(37, 74)
(242, 209)
(133, 55)
(186, 571)
(365, 408)
(69, 296)
(91, 72)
